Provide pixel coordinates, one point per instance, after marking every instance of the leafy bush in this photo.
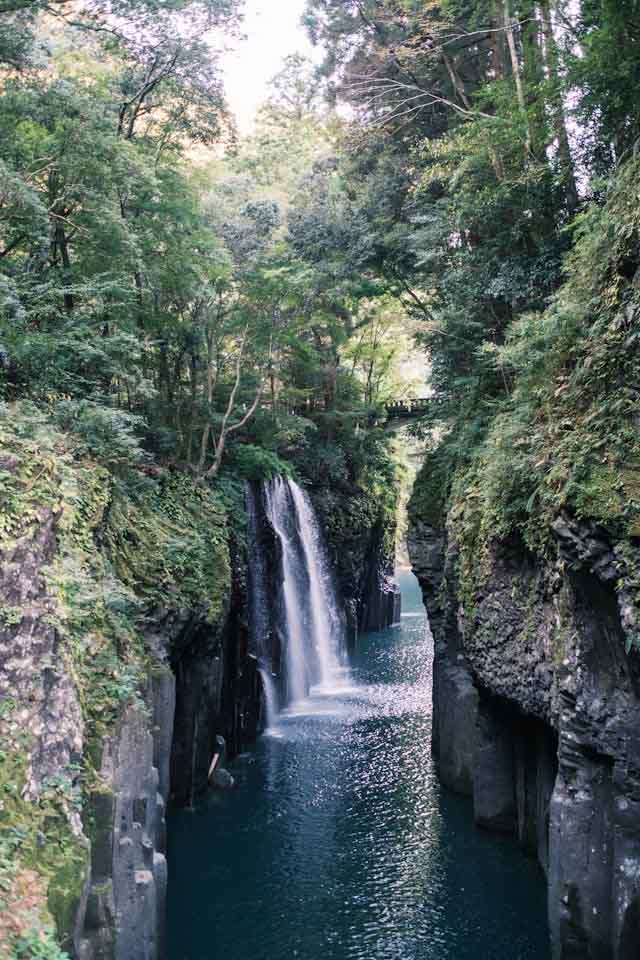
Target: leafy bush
(256, 463)
(323, 463)
(37, 945)
(104, 432)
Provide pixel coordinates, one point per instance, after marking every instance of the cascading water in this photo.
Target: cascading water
(306, 619)
(325, 621)
(259, 613)
(294, 587)
(270, 699)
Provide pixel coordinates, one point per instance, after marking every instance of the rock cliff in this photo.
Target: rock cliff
(125, 652)
(360, 530)
(537, 710)
(102, 577)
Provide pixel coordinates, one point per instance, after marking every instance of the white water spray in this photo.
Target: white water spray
(326, 630)
(309, 621)
(279, 514)
(270, 699)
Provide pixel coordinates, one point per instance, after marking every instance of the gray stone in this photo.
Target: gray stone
(221, 779)
(554, 714)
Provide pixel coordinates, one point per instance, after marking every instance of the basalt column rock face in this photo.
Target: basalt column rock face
(97, 804)
(594, 881)
(125, 898)
(218, 690)
(379, 601)
(455, 697)
(537, 716)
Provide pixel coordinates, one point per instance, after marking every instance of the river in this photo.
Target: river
(338, 842)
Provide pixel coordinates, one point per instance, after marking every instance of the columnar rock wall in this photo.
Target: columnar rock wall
(108, 890)
(537, 717)
(122, 915)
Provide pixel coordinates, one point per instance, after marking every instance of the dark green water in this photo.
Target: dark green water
(339, 843)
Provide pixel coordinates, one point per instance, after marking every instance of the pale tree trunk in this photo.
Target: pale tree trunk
(225, 430)
(211, 381)
(515, 66)
(456, 83)
(557, 108)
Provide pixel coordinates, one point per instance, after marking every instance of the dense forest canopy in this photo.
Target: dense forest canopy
(171, 291)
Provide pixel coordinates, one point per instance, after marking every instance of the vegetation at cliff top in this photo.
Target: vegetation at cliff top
(493, 158)
(246, 312)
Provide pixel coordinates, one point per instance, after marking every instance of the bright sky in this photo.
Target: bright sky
(273, 31)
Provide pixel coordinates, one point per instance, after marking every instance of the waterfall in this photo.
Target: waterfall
(259, 613)
(325, 621)
(279, 512)
(270, 699)
(307, 625)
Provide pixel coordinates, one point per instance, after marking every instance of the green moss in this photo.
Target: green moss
(428, 499)
(36, 837)
(170, 545)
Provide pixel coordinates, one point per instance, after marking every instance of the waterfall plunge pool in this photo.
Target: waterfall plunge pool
(339, 843)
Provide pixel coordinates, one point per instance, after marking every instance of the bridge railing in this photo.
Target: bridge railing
(411, 407)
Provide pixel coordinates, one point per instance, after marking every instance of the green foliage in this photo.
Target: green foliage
(168, 543)
(42, 864)
(524, 294)
(431, 489)
(605, 71)
(565, 439)
(32, 946)
(255, 463)
(104, 433)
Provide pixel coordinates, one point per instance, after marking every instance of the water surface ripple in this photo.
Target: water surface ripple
(339, 843)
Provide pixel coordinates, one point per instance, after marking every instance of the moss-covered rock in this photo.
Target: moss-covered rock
(90, 562)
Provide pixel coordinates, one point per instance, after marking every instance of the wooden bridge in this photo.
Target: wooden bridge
(407, 409)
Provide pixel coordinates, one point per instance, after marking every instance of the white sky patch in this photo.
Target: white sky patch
(272, 31)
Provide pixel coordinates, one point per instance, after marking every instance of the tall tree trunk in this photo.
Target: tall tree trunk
(496, 40)
(61, 241)
(533, 76)
(193, 374)
(557, 108)
(211, 380)
(225, 429)
(515, 68)
(456, 82)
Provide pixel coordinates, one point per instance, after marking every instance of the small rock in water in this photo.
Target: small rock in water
(221, 779)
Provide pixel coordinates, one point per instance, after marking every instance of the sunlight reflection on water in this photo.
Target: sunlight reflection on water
(339, 843)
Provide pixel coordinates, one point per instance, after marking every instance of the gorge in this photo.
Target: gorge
(252, 368)
(338, 840)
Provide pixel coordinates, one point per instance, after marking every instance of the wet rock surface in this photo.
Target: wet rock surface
(537, 717)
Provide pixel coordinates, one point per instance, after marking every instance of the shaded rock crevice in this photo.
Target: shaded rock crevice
(218, 692)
